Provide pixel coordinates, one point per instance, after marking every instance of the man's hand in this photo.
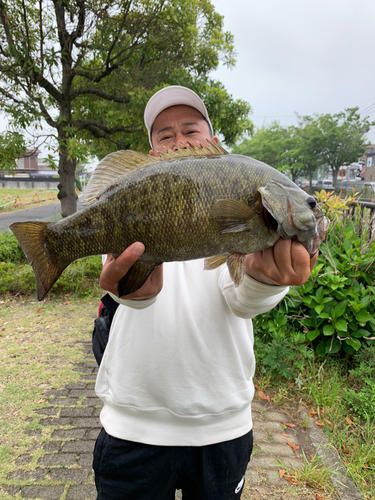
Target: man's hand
(287, 263)
(115, 269)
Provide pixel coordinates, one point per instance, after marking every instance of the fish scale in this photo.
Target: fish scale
(181, 208)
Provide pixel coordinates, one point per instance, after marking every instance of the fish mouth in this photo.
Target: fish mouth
(270, 220)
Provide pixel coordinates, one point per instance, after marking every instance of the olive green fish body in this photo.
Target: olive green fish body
(181, 208)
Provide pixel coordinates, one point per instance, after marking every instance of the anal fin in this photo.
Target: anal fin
(236, 263)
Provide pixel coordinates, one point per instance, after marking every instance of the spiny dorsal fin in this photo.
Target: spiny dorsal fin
(191, 149)
(115, 165)
(110, 169)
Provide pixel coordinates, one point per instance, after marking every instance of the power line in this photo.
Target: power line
(367, 110)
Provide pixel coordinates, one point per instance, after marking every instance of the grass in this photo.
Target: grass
(13, 199)
(352, 436)
(38, 345)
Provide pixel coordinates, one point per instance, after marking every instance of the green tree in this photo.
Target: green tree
(336, 140)
(12, 146)
(87, 69)
(304, 155)
(275, 145)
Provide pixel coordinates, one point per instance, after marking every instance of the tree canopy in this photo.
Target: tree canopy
(331, 140)
(88, 67)
(339, 139)
(12, 146)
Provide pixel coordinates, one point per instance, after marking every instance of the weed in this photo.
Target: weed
(314, 474)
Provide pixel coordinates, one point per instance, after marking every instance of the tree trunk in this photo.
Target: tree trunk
(334, 176)
(67, 194)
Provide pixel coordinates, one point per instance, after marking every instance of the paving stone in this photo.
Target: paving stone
(60, 459)
(81, 492)
(57, 393)
(12, 490)
(91, 364)
(28, 475)
(95, 401)
(23, 459)
(77, 412)
(77, 393)
(76, 385)
(64, 401)
(78, 447)
(34, 432)
(89, 376)
(70, 475)
(272, 427)
(48, 411)
(259, 435)
(279, 450)
(68, 433)
(272, 476)
(263, 462)
(90, 422)
(43, 492)
(55, 421)
(279, 439)
(52, 446)
(85, 460)
(83, 369)
(251, 475)
(92, 434)
(277, 416)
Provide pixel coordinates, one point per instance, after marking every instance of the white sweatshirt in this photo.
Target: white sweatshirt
(178, 369)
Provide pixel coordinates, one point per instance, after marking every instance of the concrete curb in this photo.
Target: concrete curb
(346, 488)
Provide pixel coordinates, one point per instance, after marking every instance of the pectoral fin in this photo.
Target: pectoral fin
(135, 277)
(233, 216)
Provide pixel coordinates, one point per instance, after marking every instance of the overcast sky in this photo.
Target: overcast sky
(304, 56)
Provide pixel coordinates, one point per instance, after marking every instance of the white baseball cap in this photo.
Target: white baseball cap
(175, 95)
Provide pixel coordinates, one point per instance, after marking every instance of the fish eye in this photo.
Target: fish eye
(311, 201)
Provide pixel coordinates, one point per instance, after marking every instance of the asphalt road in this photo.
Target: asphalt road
(43, 213)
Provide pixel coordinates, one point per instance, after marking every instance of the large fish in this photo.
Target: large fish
(196, 202)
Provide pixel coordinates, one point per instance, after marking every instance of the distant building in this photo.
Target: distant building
(30, 165)
(369, 163)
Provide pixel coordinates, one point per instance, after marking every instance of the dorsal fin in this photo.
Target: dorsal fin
(191, 149)
(110, 169)
(115, 165)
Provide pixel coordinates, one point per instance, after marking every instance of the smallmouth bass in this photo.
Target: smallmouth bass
(196, 202)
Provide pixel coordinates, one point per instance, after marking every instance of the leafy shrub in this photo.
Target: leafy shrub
(335, 308)
(17, 278)
(284, 353)
(10, 250)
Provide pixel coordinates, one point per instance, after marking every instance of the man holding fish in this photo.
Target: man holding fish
(176, 376)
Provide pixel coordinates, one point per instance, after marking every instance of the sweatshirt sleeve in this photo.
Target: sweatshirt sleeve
(133, 303)
(251, 297)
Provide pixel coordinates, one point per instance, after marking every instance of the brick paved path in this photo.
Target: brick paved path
(72, 420)
(71, 424)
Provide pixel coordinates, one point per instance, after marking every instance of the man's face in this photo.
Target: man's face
(176, 125)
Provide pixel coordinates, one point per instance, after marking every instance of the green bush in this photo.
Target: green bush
(17, 277)
(10, 250)
(335, 309)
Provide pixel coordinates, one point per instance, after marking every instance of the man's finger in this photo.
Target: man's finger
(115, 269)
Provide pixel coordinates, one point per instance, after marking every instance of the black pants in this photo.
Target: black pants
(125, 470)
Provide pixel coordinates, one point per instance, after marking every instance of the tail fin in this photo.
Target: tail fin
(47, 269)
